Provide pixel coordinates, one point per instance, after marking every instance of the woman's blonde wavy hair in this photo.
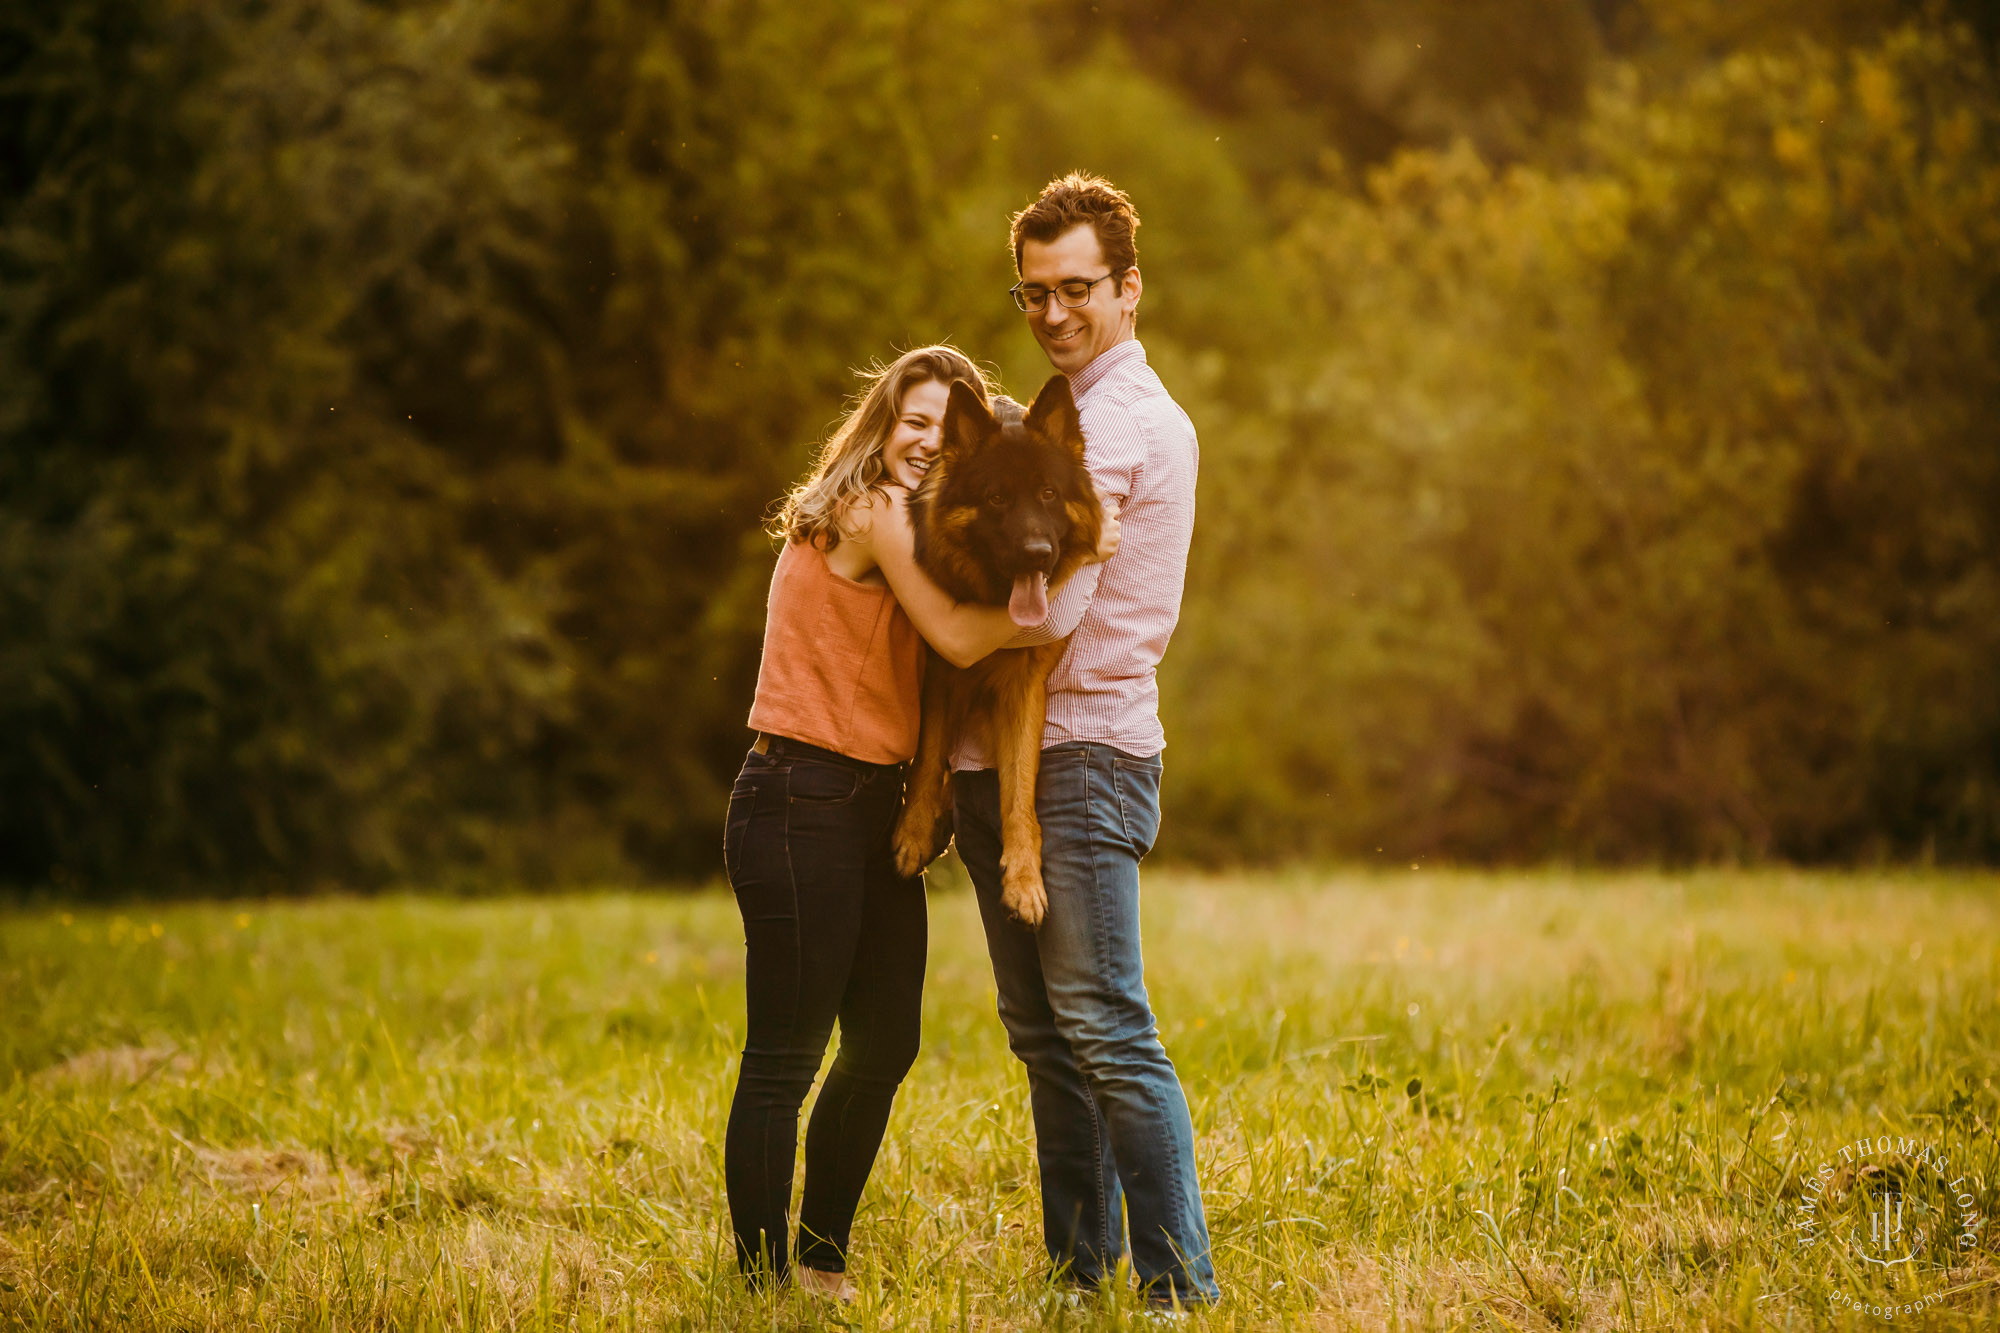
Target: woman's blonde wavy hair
(849, 464)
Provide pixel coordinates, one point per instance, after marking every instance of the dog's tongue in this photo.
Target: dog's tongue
(1029, 606)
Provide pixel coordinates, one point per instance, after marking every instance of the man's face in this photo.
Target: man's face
(1074, 338)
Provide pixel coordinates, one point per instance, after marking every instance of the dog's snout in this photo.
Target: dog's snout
(1038, 548)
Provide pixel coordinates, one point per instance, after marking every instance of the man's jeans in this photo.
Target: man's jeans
(1111, 1120)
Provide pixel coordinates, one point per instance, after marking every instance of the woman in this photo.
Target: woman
(829, 927)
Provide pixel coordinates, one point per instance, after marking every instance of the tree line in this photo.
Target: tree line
(1596, 402)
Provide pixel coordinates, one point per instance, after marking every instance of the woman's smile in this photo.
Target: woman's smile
(914, 443)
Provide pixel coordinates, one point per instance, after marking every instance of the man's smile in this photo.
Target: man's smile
(1097, 313)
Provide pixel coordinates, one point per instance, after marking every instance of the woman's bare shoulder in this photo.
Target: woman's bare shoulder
(859, 516)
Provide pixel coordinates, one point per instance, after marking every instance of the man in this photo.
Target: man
(1111, 1121)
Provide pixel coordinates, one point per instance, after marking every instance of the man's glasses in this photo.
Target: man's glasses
(1074, 293)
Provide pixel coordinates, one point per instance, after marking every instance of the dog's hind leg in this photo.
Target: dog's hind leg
(1017, 725)
(924, 828)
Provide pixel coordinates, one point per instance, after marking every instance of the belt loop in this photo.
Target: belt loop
(763, 744)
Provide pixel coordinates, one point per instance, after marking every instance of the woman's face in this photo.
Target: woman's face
(913, 444)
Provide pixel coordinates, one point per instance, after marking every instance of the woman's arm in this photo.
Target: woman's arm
(962, 632)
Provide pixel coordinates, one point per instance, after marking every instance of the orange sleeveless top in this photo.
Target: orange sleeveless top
(843, 666)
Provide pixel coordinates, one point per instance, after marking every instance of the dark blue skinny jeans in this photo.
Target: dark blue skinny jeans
(830, 931)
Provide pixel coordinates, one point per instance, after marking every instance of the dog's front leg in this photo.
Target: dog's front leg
(1017, 725)
(924, 827)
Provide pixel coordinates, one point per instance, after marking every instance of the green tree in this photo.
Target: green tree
(1646, 509)
(249, 629)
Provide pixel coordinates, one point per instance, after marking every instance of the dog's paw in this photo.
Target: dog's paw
(912, 852)
(920, 838)
(1024, 898)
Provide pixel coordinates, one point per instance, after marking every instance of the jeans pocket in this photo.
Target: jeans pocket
(736, 827)
(1137, 782)
(752, 780)
(815, 783)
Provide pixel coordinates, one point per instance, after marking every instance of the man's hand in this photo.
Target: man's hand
(1107, 536)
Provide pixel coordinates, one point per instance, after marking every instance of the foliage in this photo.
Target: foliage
(1421, 1101)
(389, 395)
(1366, 79)
(250, 623)
(1651, 505)
(387, 445)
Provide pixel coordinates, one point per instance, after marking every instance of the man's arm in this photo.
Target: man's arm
(1066, 610)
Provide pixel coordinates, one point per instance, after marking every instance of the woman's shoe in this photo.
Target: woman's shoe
(833, 1286)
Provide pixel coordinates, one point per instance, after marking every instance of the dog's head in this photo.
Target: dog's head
(1008, 507)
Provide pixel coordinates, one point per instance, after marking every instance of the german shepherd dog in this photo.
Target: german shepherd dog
(1005, 511)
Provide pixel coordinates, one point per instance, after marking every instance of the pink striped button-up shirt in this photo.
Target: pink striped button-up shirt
(1141, 451)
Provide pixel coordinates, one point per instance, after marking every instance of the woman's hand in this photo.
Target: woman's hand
(1107, 536)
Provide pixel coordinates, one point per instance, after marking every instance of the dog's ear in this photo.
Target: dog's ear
(1054, 416)
(967, 423)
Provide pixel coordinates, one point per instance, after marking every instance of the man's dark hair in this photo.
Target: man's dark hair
(1077, 198)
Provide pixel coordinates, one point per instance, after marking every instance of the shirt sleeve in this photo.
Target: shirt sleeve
(1114, 448)
(1066, 610)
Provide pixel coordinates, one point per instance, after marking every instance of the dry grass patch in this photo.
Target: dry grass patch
(125, 1065)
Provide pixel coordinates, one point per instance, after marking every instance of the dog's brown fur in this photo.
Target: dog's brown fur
(960, 542)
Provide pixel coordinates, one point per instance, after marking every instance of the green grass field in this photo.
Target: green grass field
(1423, 1100)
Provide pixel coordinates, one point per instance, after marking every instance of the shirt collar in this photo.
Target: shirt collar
(1126, 353)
